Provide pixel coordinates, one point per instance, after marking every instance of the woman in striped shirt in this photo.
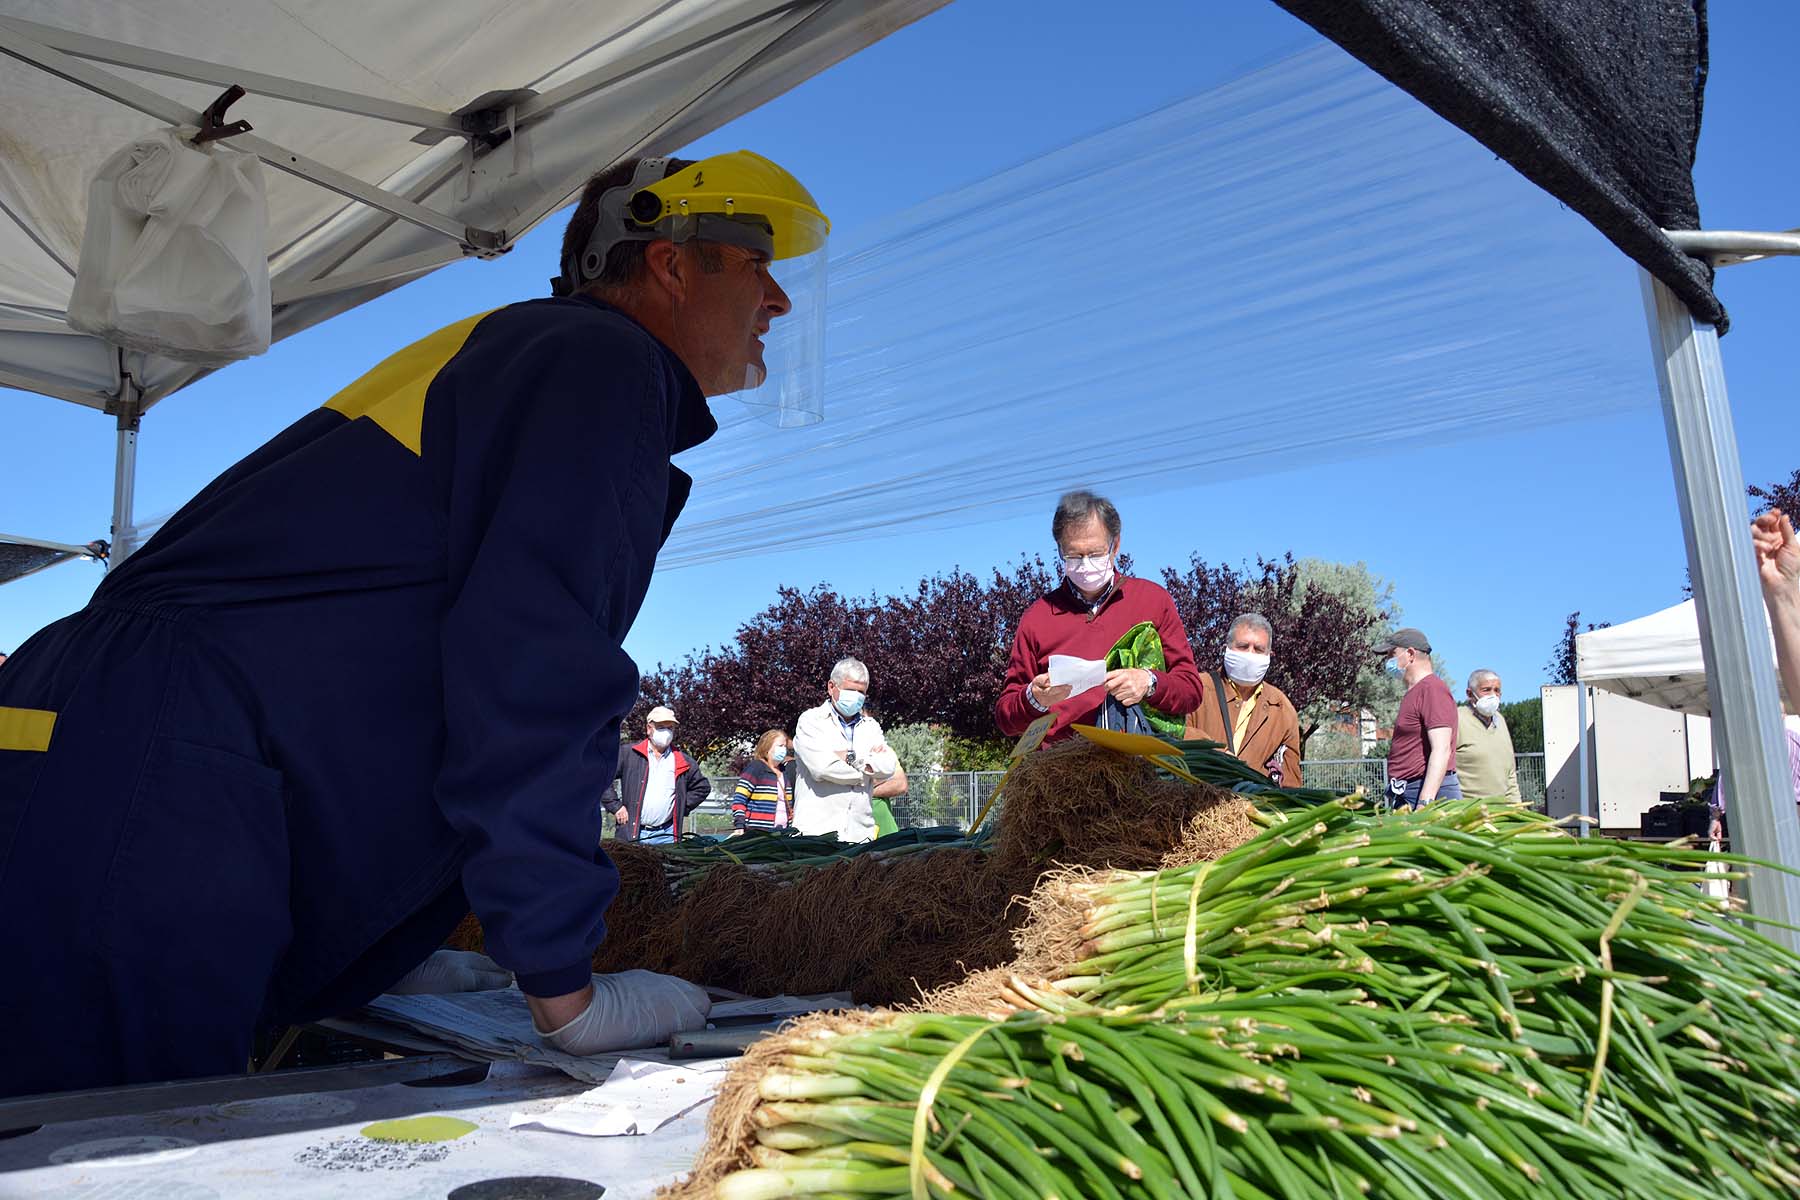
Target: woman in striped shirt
(761, 800)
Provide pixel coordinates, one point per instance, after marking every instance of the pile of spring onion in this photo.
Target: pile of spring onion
(1209, 762)
(1464, 1001)
(1303, 1096)
(787, 856)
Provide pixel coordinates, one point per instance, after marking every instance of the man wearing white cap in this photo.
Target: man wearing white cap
(656, 785)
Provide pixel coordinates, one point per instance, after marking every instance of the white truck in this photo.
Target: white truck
(1635, 753)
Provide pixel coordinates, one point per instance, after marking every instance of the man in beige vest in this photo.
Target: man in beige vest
(1484, 748)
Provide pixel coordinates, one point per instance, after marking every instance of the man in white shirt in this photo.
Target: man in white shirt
(845, 763)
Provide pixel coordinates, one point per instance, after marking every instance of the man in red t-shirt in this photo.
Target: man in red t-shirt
(1085, 616)
(1422, 755)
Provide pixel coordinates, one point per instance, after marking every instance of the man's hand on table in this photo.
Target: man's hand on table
(628, 1011)
(453, 971)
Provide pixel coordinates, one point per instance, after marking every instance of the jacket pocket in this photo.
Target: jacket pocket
(199, 883)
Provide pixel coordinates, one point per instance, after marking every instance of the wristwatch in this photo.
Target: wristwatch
(1151, 690)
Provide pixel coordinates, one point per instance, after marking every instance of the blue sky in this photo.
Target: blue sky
(1488, 543)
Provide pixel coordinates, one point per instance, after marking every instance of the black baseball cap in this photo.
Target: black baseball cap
(1405, 639)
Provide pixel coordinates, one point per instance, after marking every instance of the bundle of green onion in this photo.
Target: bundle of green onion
(1208, 762)
(787, 856)
(1464, 1001)
(1630, 985)
(1303, 1096)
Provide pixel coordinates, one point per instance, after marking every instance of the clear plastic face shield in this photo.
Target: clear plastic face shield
(790, 389)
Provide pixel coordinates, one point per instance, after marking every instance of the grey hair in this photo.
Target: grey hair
(1255, 621)
(849, 670)
(1076, 507)
(1481, 673)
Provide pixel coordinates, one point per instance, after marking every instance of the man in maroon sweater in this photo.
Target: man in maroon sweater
(1085, 616)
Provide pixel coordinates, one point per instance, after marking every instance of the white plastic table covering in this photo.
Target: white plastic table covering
(311, 1146)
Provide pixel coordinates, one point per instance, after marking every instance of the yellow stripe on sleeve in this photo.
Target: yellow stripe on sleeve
(25, 728)
(392, 393)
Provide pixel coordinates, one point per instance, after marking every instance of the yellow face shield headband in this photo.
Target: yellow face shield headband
(740, 199)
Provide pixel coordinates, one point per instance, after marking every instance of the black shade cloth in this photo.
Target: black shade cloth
(18, 561)
(1595, 101)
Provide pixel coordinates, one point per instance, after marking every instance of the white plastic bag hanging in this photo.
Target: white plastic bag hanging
(174, 260)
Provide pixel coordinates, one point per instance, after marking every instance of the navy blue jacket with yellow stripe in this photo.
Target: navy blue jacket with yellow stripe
(423, 589)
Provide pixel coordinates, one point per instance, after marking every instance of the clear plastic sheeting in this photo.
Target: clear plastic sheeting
(1299, 267)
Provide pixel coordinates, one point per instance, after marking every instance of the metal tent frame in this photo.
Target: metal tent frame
(1715, 523)
(737, 55)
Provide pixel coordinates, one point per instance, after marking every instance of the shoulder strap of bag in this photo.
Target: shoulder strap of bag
(1224, 711)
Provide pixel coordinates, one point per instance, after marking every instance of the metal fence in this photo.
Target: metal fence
(945, 798)
(1345, 774)
(957, 797)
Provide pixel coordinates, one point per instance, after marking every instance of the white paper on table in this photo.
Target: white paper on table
(635, 1099)
(1079, 673)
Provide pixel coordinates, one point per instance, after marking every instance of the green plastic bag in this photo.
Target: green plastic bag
(1142, 647)
(884, 817)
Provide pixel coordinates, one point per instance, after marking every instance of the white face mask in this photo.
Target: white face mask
(1487, 706)
(1088, 577)
(1245, 666)
(660, 738)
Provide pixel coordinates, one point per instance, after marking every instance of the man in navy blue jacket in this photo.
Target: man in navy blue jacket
(372, 675)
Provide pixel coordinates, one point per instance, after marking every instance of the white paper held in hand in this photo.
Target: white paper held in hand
(1079, 673)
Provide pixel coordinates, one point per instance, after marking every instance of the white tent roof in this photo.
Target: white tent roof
(1655, 659)
(404, 104)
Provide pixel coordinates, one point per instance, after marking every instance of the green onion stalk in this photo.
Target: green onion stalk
(1618, 986)
(1306, 1095)
(788, 856)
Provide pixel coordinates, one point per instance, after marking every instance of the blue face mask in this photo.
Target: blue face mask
(778, 754)
(849, 703)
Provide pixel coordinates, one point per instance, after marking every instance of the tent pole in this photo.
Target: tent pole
(128, 408)
(1583, 749)
(1715, 522)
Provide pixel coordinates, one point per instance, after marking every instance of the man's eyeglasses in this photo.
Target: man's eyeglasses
(1091, 561)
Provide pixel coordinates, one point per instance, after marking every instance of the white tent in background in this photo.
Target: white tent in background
(401, 136)
(1655, 659)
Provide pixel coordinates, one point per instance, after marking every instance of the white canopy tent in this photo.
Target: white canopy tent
(403, 136)
(1656, 659)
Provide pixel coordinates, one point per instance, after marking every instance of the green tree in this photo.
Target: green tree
(976, 753)
(1525, 720)
(920, 749)
(1377, 689)
(1562, 665)
(1784, 495)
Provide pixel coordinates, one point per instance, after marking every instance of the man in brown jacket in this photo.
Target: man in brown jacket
(1253, 718)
